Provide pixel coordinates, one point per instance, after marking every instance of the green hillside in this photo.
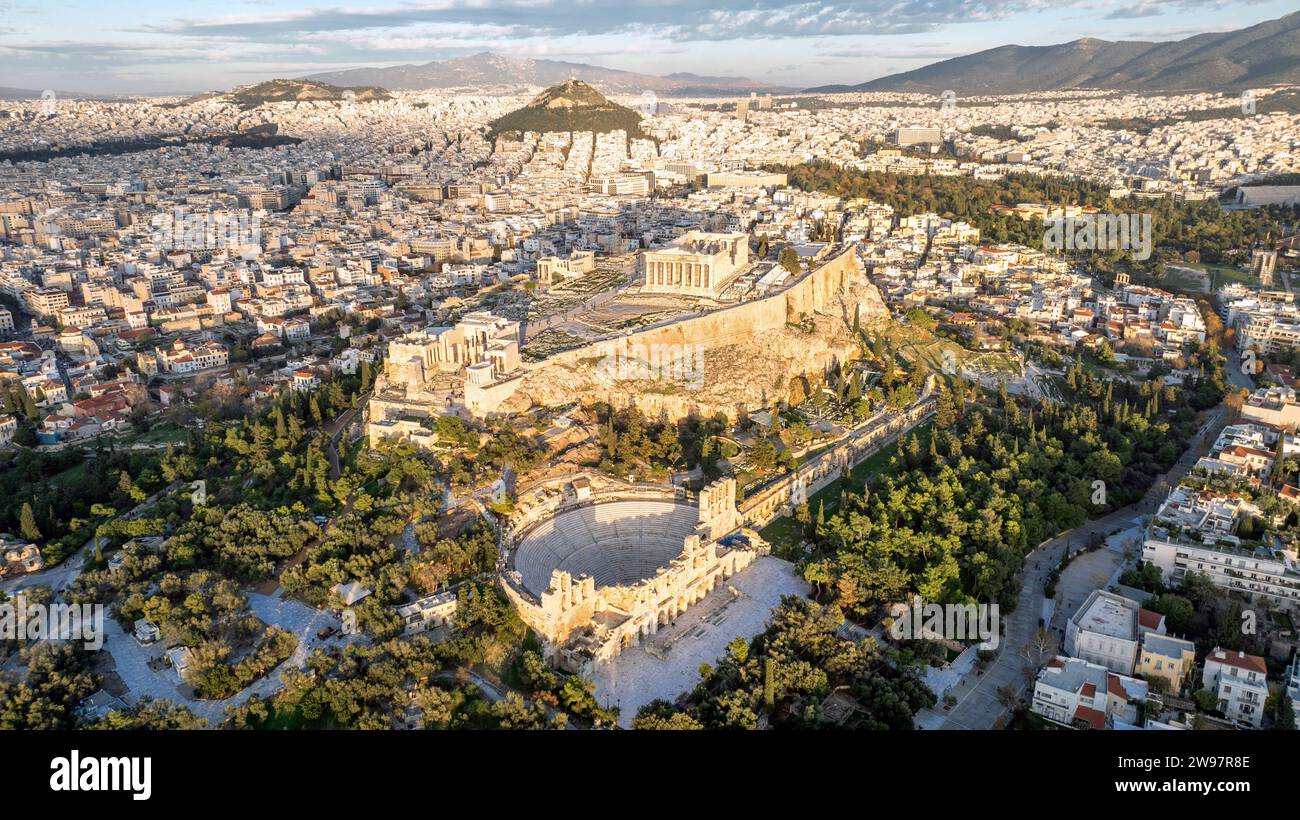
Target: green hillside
(570, 106)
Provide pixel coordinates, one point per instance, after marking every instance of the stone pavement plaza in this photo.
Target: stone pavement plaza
(669, 664)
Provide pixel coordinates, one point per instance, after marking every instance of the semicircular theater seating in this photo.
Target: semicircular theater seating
(617, 542)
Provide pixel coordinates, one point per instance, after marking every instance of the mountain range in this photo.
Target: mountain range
(249, 97)
(488, 69)
(1261, 55)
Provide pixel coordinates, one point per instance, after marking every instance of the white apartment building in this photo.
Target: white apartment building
(1105, 631)
(296, 330)
(182, 358)
(1270, 333)
(1239, 681)
(1274, 407)
(219, 300)
(1193, 532)
(46, 301)
(1267, 321)
(1083, 695)
(80, 317)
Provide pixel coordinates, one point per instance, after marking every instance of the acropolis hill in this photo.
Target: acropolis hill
(751, 351)
(742, 357)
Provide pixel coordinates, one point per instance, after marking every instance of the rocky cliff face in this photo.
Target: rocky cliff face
(722, 372)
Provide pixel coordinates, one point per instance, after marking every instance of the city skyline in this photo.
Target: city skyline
(150, 49)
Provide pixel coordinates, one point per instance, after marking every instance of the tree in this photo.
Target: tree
(1177, 610)
(789, 259)
(1206, 700)
(1105, 354)
(1280, 709)
(27, 523)
(1040, 647)
(28, 403)
(661, 715)
(918, 317)
(763, 455)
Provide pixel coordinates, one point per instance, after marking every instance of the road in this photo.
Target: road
(978, 703)
(463, 676)
(338, 426)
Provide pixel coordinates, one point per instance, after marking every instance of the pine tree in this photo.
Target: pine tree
(769, 682)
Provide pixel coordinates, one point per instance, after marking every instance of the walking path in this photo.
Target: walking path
(132, 661)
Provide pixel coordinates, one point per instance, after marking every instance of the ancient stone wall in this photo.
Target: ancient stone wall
(581, 623)
(793, 489)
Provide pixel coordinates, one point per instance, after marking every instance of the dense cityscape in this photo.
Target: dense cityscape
(567, 402)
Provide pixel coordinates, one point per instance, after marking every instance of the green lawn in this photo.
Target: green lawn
(166, 433)
(1224, 274)
(1176, 279)
(73, 473)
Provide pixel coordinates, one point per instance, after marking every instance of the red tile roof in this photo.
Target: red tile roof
(1239, 659)
(1149, 619)
(1094, 718)
(1115, 687)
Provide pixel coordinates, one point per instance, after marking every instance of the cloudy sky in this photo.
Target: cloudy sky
(145, 46)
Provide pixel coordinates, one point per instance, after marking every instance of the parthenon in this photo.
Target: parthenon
(697, 264)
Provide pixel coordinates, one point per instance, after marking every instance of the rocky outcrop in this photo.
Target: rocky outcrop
(732, 360)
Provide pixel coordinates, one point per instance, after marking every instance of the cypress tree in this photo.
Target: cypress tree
(27, 523)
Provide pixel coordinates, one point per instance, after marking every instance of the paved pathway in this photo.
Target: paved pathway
(668, 664)
(131, 660)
